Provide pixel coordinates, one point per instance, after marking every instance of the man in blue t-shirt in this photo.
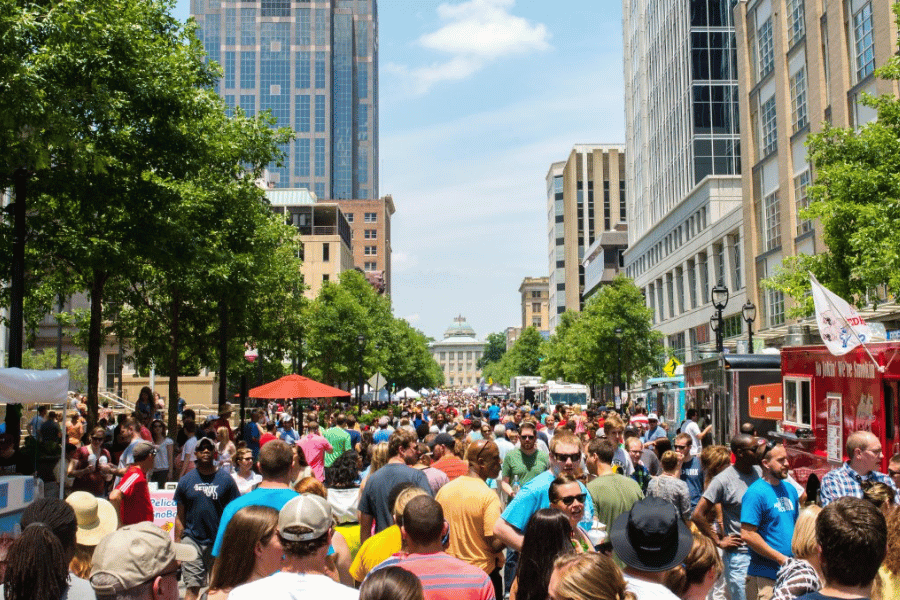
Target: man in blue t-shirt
(201, 498)
(275, 461)
(691, 468)
(768, 513)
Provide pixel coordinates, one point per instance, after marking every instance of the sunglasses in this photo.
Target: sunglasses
(527, 437)
(574, 457)
(568, 500)
(681, 446)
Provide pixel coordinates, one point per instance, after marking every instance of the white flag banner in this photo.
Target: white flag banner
(841, 327)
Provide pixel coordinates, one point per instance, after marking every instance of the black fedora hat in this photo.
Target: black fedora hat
(650, 537)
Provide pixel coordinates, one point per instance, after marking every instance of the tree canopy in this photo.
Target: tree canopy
(524, 358)
(494, 349)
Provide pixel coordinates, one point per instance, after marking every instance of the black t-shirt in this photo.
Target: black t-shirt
(13, 464)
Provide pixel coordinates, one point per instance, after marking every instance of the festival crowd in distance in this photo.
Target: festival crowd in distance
(450, 497)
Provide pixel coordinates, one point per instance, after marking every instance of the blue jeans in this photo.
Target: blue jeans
(509, 570)
(736, 563)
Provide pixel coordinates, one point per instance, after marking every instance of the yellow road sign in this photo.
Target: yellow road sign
(670, 367)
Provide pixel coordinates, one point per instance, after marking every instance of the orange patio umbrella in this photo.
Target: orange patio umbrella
(292, 386)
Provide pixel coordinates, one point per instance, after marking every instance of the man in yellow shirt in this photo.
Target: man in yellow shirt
(471, 508)
(388, 541)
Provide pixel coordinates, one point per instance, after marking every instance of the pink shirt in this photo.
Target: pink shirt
(314, 447)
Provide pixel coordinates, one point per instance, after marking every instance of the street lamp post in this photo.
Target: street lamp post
(719, 300)
(361, 342)
(749, 313)
(619, 370)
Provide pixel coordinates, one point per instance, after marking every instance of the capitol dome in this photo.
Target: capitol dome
(459, 329)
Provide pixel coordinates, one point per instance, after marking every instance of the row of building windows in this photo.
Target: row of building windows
(452, 355)
(368, 217)
(689, 228)
(687, 286)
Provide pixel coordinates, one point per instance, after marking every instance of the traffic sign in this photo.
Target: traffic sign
(670, 367)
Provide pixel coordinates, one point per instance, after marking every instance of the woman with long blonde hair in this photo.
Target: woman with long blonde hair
(587, 576)
(250, 550)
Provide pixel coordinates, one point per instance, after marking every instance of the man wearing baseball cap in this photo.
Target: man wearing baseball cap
(304, 530)
(132, 495)
(138, 561)
(650, 539)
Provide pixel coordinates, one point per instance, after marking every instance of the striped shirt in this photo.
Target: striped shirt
(444, 577)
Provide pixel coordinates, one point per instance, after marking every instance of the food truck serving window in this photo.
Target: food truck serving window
(797, 410)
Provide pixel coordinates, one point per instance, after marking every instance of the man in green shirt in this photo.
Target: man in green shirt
(522, 464)
(613, 494)
(338, 438)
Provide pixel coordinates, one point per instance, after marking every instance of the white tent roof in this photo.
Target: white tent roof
(28, 386)
(408, 393)
(469, 391)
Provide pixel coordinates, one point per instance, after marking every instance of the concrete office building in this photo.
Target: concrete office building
(324, 233)
(802, 64)
(458, 354)
(315, 66)
(535, 292)
(370, 225)
(576, 217)
(683, 166)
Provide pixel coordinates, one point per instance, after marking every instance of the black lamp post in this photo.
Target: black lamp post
(719, 300)
(361, 342)
(749, 313)
(619, 370)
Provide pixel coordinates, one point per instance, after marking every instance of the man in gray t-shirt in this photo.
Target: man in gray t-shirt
(727, 489)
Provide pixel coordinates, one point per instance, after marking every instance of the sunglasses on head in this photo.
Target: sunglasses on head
(574, 457)
(568, 500)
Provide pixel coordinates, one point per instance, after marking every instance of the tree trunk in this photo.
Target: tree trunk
(95, 340)
(174, 338)
(223, 354)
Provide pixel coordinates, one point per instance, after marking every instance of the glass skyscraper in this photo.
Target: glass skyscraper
(315, 66)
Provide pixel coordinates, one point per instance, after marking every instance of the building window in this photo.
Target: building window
(765, 49)
(775, 308)
(371, 217)
(799, 112)
(325, 277)
(769, 128)
(320, 113)
(371, 266)
(536, 322)
(704, 277)
(535, 294)
(679, 286)
(371, 234)
(320, 164)
(676, 345)
(536, 307)
(349, 217)
(371, 251)
(732, 326)
(801, 183)
(736, 264)
(863, 42)
(796, 20)
(326, 252)
(692, 283)
(771, 222)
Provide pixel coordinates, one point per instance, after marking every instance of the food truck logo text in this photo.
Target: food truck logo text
(844, 369)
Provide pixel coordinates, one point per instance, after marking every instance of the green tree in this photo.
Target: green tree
(586, 348)
(856, 199)
(46, 359)
(494, 349)
(524, 358)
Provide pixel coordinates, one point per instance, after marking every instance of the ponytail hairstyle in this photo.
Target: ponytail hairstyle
(38, 561)
(702, 557)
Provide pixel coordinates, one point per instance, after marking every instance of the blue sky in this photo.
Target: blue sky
(477, 99)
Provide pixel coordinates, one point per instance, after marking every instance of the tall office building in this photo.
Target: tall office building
(315, 66)
(802, 64)
(683, 164)
(585, 203)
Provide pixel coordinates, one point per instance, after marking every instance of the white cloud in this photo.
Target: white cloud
(474, 33)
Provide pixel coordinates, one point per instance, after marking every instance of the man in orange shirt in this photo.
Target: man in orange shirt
(471, 509)
(443, 450)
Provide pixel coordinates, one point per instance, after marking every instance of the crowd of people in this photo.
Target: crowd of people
(451, 498)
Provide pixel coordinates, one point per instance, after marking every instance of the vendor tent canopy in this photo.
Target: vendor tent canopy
(31, 387)
(469, 392)
(497, 389)
(408, 393)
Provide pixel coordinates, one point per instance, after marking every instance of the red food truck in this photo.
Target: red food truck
(827, 397)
